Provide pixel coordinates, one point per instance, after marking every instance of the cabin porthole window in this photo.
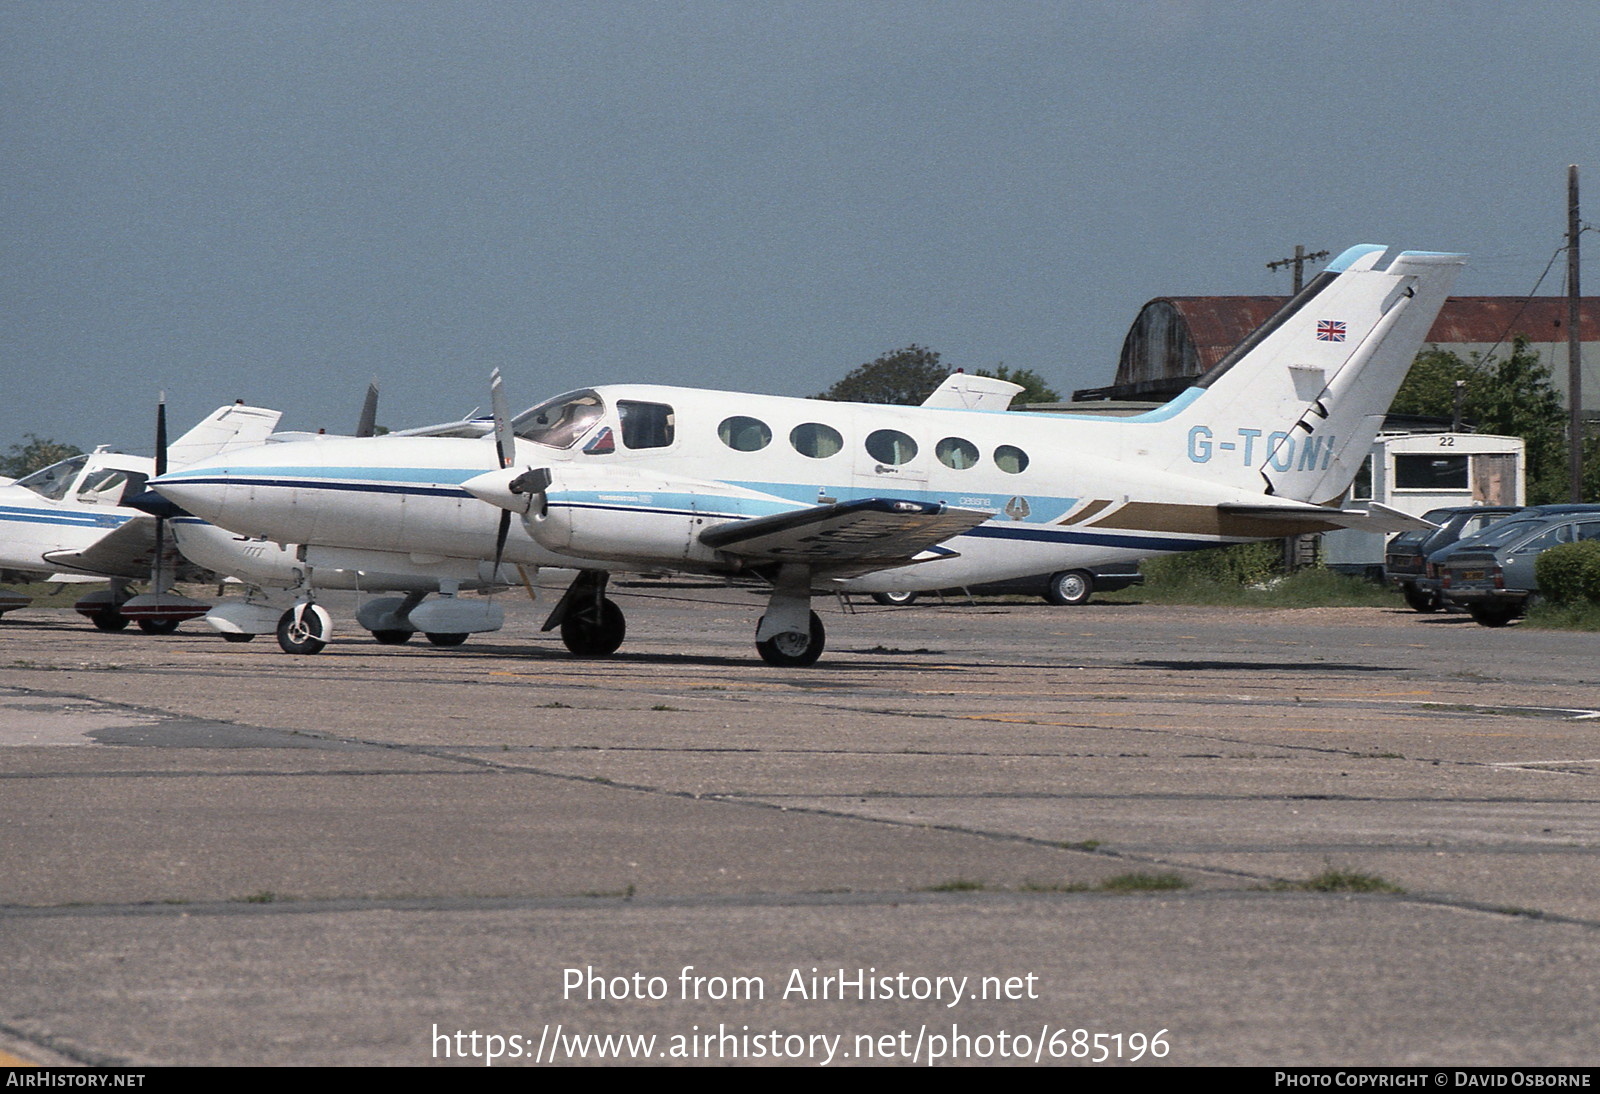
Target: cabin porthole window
(744, 434)
(1011, 459)
(956, 453)
(890, 446)
(816, 440)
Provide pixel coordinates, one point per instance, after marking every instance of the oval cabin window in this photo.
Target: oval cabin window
(816, 440)
(744, 434)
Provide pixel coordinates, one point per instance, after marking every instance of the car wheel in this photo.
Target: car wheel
(1419, 601)
(1070, 587)
(1492, 615)
(895, 600)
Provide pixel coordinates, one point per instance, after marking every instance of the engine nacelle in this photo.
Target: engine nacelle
(614, 513)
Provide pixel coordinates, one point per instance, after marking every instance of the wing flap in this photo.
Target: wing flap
(861, 536)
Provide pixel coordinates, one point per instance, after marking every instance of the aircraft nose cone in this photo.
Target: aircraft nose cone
(202, 498)
(495, 488)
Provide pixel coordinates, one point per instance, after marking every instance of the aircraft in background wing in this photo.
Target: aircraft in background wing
(72, 522)
(819, 496)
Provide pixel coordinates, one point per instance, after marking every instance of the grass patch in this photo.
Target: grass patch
(554, 706)
(662, 706)
(959, 885)
(264, 896)
(1081, 845)
(1142, 883)
(1333, 880)
(1578, 616)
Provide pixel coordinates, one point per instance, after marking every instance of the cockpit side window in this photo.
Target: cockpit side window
(54, 481)
(102, 486)
(646, 425)
(559, 422)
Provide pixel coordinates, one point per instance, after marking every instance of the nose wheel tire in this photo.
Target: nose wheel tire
(793, 649)
(159, 626)
(236, 636)
(595, 631)
(445, 640)
(305, 634)
(393, 638)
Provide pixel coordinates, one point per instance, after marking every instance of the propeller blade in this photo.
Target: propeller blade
(158, 573)
(367, 424)
(505, 446)
(505, 442)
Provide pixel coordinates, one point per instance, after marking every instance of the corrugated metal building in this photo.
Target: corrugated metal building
(1176, 338)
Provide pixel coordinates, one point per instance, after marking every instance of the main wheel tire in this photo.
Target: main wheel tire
(1492, 615)
(159, 626)
(109, 620)
(895, 600)
(236, 636)
(304, 635)
(794, 650)
(1419, 601)
(445, 641)
(393, 638)
(1069, 588)
(595, 632)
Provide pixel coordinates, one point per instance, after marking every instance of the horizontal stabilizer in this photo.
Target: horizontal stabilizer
(859, 536)
(1298, 519)
(963, 392)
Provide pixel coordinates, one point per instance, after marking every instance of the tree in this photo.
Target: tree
(37, 452)
(1510, 396)
(1034, 387)
(904, 376)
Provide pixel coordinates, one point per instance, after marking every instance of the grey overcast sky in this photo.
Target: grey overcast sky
(280, 200)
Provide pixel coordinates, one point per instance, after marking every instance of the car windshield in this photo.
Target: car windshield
(53, 481)
(561, 421)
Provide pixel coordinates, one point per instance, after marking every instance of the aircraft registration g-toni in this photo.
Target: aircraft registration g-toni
(816, 496)
(72, 522)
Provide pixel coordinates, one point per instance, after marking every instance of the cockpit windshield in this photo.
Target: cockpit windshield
(54, 481)
(561, 421)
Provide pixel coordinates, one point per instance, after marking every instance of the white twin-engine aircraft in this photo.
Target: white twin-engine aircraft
(820, 496)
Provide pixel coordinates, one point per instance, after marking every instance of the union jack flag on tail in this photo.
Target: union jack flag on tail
(1329, 330)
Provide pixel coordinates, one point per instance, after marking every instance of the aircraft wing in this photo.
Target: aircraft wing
(126, 551)
(854, 536)
(1374, 518)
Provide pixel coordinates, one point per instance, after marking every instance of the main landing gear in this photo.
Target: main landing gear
(794, 649)
(591, 623)
(790, 634)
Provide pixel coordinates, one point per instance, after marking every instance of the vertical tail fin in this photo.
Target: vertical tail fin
(1293, 410)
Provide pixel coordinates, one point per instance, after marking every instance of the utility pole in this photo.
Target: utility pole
(1299, 263)
(1574, 348)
